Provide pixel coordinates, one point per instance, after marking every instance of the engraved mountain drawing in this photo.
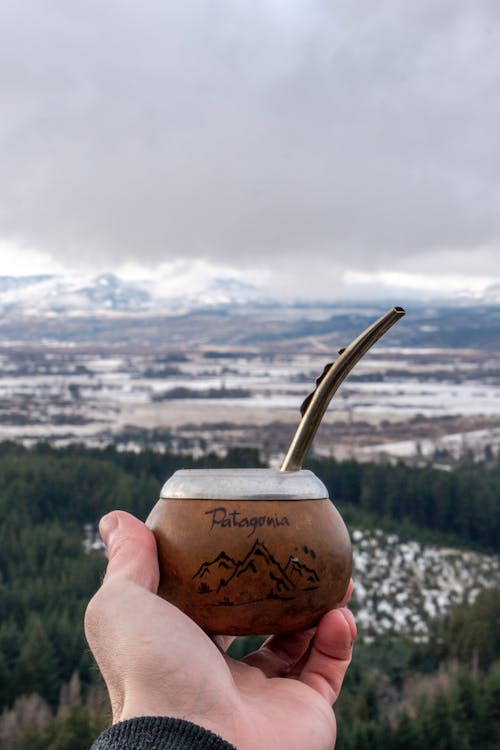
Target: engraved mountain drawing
(214, 574)
(302, 575)
(230, 582)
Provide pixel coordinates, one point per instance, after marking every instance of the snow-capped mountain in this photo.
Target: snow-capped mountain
(51, 295)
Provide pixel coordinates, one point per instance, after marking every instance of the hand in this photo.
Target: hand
(157, 662)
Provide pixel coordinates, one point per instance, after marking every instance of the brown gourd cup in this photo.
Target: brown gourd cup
(250, 551)
(260, 551)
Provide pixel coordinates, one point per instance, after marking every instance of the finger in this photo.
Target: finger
(278, 655)
(287, 655)
(347, 594)
(131, 550)
(296, 671)
(331, 652)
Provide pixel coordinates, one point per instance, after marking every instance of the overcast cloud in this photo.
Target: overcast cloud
(347, 136)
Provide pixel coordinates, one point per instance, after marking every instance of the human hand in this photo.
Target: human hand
(157, 662)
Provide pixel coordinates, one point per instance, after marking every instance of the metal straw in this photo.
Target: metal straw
(329, 383)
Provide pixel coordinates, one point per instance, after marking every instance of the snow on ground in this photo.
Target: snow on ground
(400, 586)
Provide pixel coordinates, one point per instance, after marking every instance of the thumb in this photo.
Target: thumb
(131, 548)
(330, 654)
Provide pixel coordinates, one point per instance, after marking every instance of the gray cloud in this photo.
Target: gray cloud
(357, 134)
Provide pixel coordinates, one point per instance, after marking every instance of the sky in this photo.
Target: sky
(319, 147)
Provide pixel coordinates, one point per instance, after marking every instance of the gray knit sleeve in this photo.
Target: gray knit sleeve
(159, 733)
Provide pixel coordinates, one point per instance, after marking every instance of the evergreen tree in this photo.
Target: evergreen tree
(438, 728)
(490, 714)
(74, 730)
(465, 702)
(407, 735)
(37, 666)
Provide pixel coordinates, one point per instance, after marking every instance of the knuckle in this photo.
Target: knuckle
(95, 614)
(92, 615)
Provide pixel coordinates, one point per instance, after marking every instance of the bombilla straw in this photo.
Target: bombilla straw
(317, 404)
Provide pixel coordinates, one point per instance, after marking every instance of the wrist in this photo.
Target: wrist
(224, 723)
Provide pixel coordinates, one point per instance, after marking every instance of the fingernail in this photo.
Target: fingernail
(108, 525)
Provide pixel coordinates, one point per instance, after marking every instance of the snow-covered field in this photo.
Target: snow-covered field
(400, 586)
(67, 395)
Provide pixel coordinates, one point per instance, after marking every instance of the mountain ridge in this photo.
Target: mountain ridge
(44, 294)
(108, 293)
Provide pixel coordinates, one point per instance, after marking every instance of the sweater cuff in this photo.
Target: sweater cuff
(159, 733)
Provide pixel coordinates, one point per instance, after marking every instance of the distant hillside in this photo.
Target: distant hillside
(107, 309)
